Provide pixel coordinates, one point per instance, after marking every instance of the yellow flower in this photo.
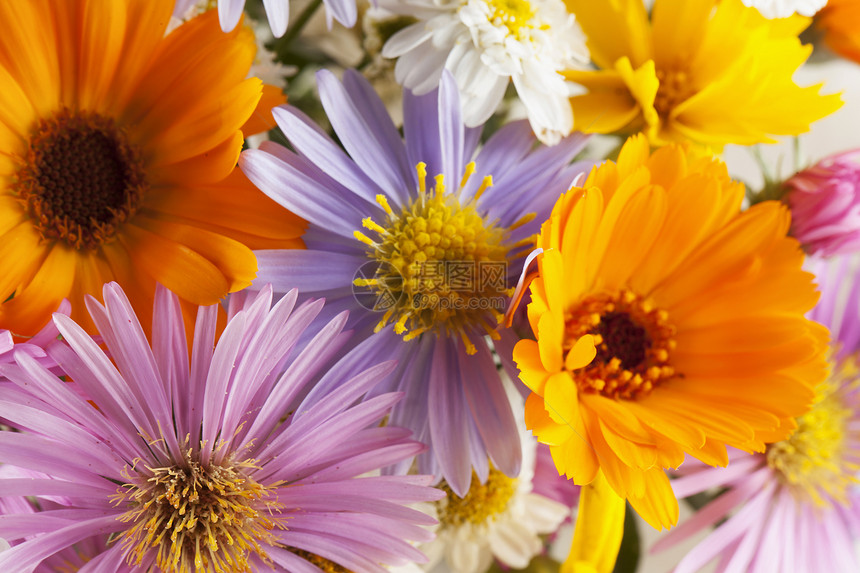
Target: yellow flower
(839, 20)
(118, 148)
(700, 70)
(667, 321)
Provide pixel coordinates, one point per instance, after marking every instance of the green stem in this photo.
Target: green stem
(281, 44)
(762, 164)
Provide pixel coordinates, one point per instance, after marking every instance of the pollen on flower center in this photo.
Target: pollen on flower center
(813, 460)
(482, 503)
(81, 178)
(442, 265)
(513, 14)
(674, 88)
(197, 517)
(633, 339)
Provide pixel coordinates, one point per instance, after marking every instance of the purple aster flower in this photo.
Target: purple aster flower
(423, 245)
(210, 461)
(796, 506)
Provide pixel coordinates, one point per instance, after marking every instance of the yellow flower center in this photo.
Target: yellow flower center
(482, 503)
(814, 461)
(634, 341)
(81, 179)
(513, 14)
(441, 266)
(675, 87)
(197, 518)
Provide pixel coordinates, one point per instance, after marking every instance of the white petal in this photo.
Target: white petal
(543, 514)
(278, 13)
(229, 12)
(406, 40)
(514, 544)
(464, 555)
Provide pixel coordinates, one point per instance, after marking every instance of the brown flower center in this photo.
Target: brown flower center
(81, 178)
(634, 341)
(674, 88)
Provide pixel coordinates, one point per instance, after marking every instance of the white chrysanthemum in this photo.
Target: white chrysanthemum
(484, 43)
(501, 518)
(785, 8)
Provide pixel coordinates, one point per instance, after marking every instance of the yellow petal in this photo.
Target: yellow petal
(599, 529)
(561, 399)
(582, 353)
(614, 29)
(544, 428)
(532, 372)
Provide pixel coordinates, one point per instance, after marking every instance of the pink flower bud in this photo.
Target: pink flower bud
(825, 205)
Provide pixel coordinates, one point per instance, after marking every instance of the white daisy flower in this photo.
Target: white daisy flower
(785, 8)
(484, 43)
(501, 518)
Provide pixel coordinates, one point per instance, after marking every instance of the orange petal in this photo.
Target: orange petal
(181, 269)
(233, 260)
(532, 373)
(262, 119)
(542, 426)
(32, 306)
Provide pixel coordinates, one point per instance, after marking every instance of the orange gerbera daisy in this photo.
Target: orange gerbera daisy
(839, 20)
(118, 149)
(667, 321)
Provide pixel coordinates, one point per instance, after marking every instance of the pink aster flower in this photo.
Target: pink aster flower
(34, 346)
(213, 461)
(825, 205)
(795, 506)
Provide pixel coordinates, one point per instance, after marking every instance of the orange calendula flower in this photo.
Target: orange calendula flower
(706, 71)
(839, 20)
(118, 149)
(667, 321)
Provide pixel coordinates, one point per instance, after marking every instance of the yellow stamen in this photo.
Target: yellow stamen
(440, 185)
(442, 265)
(633, 339)
(527, 218)
(369, 223)
(482, 503)
(485, 184)
(383, 201)
(421, 169)
(197, 517)
(363, 238)
(467, 173)
(815, 461)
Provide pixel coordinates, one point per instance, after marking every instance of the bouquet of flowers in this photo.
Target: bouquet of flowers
(426, 285)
